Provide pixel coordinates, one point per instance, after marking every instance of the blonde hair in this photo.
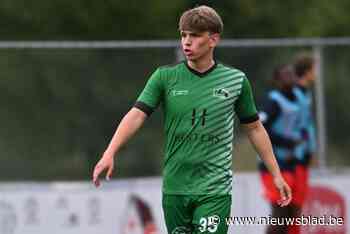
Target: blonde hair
(201, 19)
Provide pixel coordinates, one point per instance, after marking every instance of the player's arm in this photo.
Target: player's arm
(312, 143)
(248, 115)
(132, 121)
(262, 145)
(129, 125)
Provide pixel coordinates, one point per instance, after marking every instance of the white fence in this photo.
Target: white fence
(120, 207)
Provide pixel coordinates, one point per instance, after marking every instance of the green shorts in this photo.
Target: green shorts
(189, 214)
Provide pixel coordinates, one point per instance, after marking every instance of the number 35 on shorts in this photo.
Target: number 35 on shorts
(210, 223)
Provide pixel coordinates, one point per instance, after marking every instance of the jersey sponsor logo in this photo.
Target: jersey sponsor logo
(203, 138)
(179, 93)
(221, 93)
(202, 117)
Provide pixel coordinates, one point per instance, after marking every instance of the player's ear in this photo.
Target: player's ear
(214, 39)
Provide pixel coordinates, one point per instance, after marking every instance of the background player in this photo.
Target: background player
(281, 117)
(304, 66)
(200, 99)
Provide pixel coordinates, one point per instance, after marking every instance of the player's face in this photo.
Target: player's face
(311, 76)
(198, 45)
(287, 78)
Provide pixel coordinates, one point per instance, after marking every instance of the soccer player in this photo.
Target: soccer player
(304, 66)
(282, 120)
(200, 99)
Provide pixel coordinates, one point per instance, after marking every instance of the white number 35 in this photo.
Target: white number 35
(210, 223)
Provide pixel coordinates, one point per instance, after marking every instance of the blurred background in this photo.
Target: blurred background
(61, 103)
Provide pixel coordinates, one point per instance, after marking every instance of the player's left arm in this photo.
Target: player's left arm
(262, 145)
(248, 115)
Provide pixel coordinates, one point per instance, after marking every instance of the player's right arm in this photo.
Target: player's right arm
(149, 99)
(129, 125)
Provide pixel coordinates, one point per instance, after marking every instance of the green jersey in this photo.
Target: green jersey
(199, 111)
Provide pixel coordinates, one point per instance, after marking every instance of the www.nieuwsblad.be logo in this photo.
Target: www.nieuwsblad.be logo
(303, 220)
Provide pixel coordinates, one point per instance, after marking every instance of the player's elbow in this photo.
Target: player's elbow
(137, 114)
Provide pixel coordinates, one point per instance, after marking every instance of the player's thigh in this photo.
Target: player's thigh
(301, 185)
(211, 213)
(177, 214)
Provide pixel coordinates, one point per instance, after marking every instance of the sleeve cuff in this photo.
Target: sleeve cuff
(250, 119)
(144, 107)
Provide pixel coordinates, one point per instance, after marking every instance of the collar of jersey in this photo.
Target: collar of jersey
(201, 74)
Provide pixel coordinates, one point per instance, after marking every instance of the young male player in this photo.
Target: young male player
(282, 119)
(200, 99)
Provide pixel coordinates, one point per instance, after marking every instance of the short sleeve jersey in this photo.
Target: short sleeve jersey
(199, 112)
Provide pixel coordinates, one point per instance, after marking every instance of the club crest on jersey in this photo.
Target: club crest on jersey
(221, 93)
(179, 92)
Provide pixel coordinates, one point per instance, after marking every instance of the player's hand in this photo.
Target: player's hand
(105, 163)
(285, 191)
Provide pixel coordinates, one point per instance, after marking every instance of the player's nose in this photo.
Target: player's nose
(187, 40)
